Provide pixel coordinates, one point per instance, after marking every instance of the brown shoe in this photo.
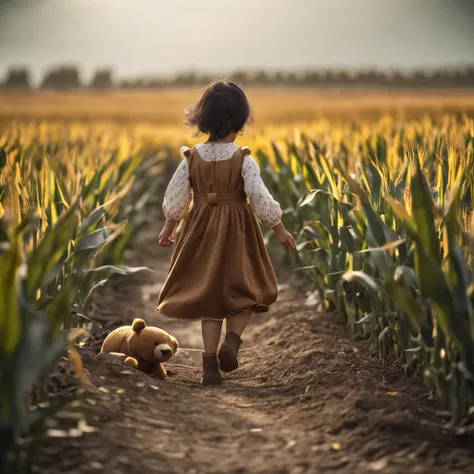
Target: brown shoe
(210, 370)
(229, 351)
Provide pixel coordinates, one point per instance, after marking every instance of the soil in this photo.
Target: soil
(307, 398)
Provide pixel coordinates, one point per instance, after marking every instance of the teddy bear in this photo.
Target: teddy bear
(143, 347)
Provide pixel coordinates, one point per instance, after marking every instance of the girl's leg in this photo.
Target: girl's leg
(211, 333)
(237, 323)
(235, 326)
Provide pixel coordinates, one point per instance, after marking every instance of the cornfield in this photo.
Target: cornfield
(382, 210)
(70, 201)
(384, 219)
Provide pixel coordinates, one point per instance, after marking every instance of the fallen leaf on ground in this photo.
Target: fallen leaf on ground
(85, 428)
(378, 465)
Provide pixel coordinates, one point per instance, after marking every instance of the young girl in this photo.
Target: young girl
(220, 268)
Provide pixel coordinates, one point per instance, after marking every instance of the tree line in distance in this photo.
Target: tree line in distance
(69, 77)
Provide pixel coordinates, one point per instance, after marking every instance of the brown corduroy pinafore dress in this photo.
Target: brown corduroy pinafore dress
(220, 266)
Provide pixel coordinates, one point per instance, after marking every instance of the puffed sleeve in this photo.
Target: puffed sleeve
(178, 193)
(267, 209)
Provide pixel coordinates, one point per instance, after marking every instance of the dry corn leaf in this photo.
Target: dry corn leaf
(78, 365)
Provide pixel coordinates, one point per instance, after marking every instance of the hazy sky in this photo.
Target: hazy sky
(137, 37)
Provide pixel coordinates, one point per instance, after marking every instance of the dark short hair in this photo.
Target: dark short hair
(222, 109)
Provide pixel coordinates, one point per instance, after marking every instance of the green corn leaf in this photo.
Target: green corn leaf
(422, 212)
(120, 269)
(319, 253)
(414, 349)
(349, 239)
(310, 232)
(365, 280)
(51, 249)
(306, 268)
(404, 274)
(282, 165)
(310, 176)
(402, 214)
(38, 352)
(84, 303)
(313, 193)
(387, 332)
(463, 315)
(302, 245)
(94, 240)
(434, 287)
(392, 315)
(384, 248)
(403, 297)
(367, 319)
(378, 230)
(10, 321)
(92, 220)
(328, 171)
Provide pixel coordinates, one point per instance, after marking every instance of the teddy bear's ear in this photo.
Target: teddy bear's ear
(138, 324)
(174, 344)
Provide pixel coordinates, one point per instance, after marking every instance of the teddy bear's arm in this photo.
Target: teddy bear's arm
(160, 371)
(127, 360)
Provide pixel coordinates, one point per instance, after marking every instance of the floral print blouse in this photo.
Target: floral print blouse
(178, 194)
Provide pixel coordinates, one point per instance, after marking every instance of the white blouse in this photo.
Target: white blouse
(178, 194)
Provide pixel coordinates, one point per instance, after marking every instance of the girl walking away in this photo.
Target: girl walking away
(220, 269)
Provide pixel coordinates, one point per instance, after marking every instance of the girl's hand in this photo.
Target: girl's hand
(166, 234)
(286, 240)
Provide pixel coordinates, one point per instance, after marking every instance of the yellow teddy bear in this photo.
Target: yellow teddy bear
(142, 347)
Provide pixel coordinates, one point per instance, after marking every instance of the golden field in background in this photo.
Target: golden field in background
(270, 106)
(157, 115)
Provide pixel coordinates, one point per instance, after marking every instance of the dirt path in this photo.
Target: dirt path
(307, 399)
